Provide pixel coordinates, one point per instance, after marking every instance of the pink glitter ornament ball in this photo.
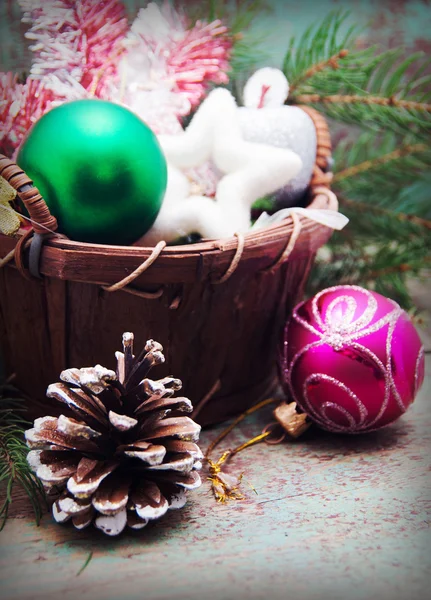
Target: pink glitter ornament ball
(352, 359)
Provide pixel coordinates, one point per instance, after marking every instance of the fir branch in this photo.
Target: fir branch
(370, 224)
(247, 54)
(385, 90)
(373, 164)
(398, 268)
(14, 468)
(391, 214)
(319, 46)
(239, 15)
(390, 266)
(331, 62)
(374, 115)
(247, 51)
(348, 259)
(369, 100)
(384, 171)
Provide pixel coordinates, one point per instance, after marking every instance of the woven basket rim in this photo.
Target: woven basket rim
(260, 236)
(103, 264)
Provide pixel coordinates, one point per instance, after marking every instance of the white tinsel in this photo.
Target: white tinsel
(166, 65)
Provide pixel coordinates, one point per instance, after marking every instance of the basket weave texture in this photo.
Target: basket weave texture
(218, 307)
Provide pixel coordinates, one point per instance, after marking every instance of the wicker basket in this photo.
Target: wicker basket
(218, 307)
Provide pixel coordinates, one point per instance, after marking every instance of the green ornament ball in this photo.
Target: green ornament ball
(99, 168)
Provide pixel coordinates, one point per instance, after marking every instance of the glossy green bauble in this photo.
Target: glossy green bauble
(99, 168)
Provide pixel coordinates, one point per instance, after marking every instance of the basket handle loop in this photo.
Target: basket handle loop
(235, 261)
(124, 283)
(290, 245)
(41, 218)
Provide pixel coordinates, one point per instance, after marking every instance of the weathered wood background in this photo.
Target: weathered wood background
(334, 518)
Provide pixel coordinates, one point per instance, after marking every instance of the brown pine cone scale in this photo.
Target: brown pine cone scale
(123, 453)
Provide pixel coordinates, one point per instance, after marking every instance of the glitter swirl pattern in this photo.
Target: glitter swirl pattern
(348, 362)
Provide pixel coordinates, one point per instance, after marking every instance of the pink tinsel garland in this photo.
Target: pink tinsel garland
(75, 42)
(168, 66)
(160, 68)
(21, 105)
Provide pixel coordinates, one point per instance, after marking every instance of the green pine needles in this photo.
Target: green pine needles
(359, 86)
(381, 168)
(247, 50)
(14, 469)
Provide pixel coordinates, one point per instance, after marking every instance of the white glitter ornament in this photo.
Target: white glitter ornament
(265, 119)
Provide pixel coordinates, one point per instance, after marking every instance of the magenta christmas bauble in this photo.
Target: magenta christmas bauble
(352, 359)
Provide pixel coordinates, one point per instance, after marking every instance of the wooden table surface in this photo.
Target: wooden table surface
(334, 518)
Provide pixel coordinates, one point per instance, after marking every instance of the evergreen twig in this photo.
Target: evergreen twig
(399, 268)
(247, 50)
(383, 170)
(372, 164)
(357, 205)
(381, 175)
(357, 99)
(319, 47)
(86, 563)
(359, 86)
(14, 468)
(332, 62)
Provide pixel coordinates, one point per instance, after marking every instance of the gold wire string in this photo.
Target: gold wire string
(225, 486)
(258, 438)
(240, 418)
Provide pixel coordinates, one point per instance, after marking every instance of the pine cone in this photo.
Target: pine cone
(120, 459)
